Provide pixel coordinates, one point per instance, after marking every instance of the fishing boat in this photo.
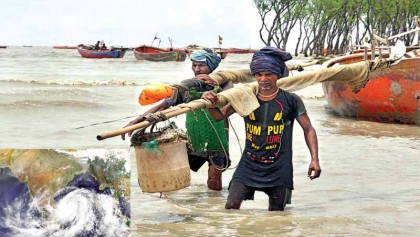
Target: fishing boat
(392, 94)
(223, 53)
(240, 51)
(3, 46)
(92, 53)
(155, 54)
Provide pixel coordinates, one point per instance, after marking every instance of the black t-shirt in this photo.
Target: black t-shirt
(267, 158)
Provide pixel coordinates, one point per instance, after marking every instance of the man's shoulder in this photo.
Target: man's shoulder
(288, 94)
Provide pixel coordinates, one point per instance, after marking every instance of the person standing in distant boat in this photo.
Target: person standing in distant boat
(97, 47)
(208, 138)
(266, 163)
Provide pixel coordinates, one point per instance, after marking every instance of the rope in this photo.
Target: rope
(157, 117)
(224, 150)
(239, 142)
(110, 121)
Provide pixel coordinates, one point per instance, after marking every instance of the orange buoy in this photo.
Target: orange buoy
(152, 93)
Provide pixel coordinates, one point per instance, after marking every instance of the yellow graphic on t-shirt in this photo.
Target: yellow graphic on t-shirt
(253, 129)
(278, 116)
(252, 116)
(276, 129)
(271, 147)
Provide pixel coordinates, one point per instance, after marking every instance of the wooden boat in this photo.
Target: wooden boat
(3, 46)
(154, 54)
(222, 52)
(64, 47)
(92, 53)
(391, 95)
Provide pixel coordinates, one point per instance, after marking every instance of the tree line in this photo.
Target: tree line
(333, 25)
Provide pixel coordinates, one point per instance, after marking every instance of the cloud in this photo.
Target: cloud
(130, 22)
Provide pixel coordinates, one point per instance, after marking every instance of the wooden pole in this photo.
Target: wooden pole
(169, 113)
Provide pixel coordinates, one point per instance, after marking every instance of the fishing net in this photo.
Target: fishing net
(204, 133)
(150, 141)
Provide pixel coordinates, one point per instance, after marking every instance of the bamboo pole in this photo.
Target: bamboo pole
(288, 83)
(405, 33)
(355, 74)
(169, 113)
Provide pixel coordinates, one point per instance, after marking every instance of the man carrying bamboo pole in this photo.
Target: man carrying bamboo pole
(208, 138)
(266, 163)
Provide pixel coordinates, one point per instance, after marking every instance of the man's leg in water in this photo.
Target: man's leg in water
(237, 193)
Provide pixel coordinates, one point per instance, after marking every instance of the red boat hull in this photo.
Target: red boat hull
(392, 95)
(154, 54)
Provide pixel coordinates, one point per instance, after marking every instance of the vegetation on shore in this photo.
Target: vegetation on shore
(328, 25)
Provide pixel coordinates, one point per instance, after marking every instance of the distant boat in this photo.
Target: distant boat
(154, 54)
(3, 46)
(223, 53)
(240, 51)
(65, 47)
(87, 51)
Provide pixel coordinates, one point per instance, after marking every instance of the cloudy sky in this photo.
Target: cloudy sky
(130, 22)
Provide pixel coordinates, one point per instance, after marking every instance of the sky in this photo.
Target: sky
(130, 23)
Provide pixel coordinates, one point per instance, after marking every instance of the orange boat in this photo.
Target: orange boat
(392, 94)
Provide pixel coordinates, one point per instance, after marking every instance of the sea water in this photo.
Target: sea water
(369, 180)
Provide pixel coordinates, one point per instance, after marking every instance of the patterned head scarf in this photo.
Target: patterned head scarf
(208, 56)
(270, 59)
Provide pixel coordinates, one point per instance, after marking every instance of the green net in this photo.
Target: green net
(152, 146)
(204, 133)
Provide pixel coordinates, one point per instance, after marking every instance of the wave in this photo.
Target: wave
(62, 92)
(111, 82)
(52, 103)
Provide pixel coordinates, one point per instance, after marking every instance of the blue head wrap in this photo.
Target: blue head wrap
(208, 56)
(270, 59)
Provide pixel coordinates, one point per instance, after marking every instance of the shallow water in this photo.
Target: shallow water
(367, 188)
(368, 185)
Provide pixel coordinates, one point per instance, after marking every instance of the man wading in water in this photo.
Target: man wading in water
(208, 138)
(266, 163)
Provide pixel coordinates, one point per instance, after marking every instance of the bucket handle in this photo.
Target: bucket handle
(153, 128)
